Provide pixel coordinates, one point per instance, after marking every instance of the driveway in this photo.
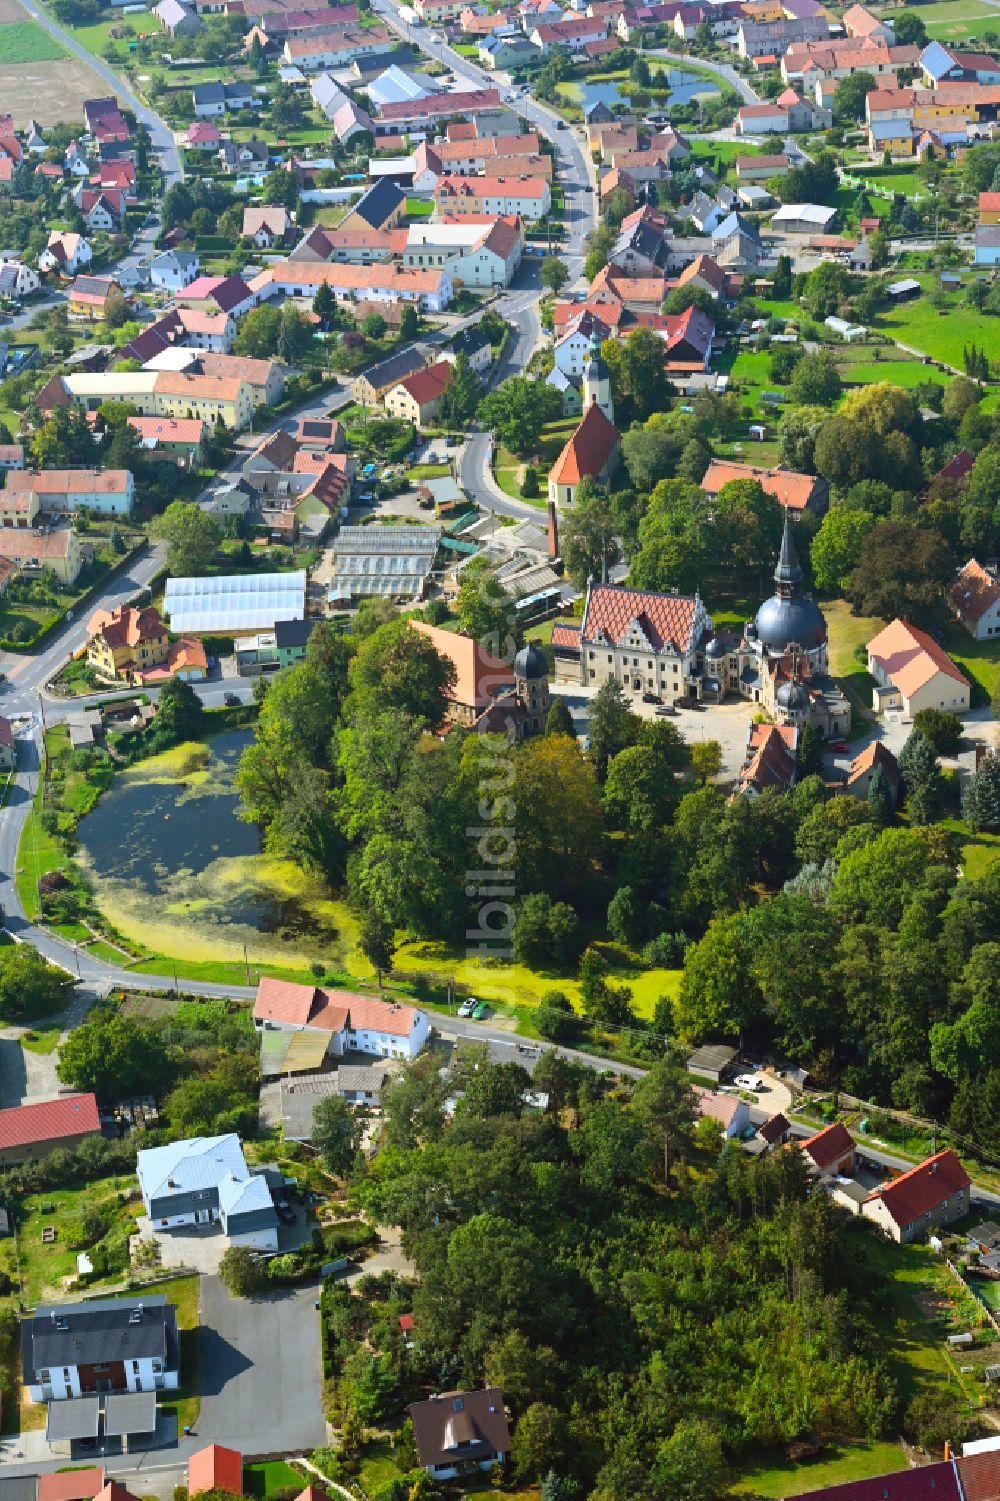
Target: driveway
(261, 1374)
(190, 1249)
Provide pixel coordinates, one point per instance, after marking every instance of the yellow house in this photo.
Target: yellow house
(35, 552)
(212, 398)
(989, 208)
(894, 136)
(125, 642)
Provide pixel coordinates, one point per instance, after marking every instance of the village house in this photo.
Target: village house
(523, 197)
(417, 399)
(480, 678)
(730, 1112)
(214, 1469)
(457, 1431)
(912, 672)
(830, 1153)
(795, 492)
(430, 289)
(33, 552)
(16, 279)
(934, 1193)
(124, 642)
(267, 226)
(218, 294)
(174, 270)
(107, 1345)
(344, 1022)
(93, 297)
(475, 255)
(371, 387)
(110, 492)
(770, 761)
(205, 1181)
(176, 438)
(863, 767)
(975, 598)
(30, 1132)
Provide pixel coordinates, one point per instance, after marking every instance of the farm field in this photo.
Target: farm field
(48, 92)
(958, 20)
(27, 42)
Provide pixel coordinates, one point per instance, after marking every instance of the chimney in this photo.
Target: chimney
(553, 532)
(947, 1450)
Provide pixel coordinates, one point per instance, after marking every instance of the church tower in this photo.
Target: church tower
(597, 383)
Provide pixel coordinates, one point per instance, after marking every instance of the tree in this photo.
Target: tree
(242, 1270)
(485, 610)
(919, 769)
(409, 323)
(665, 1103)
(463, 393)
(718, 995)
(943, 730)
(706, 760)
(909, 29)
(836, 547)
(694, 461)
(559, 721)
(555, 1019)
(690, 1464)
(587, 540)
(377, 941)
(546, 933)
(981, 802)
(880, 797)
(558, 823)
(639, 382)
(816, 380)
(901, 570)
(797, 433)
(30, 987)
(497, 1089)
(178, 206)
(179, 712)
(324, 304)
(639, 793)
(115, 1057)
(191, 536)
(612, 725)
(373, 327)
(399, 668)
(334, 1134)
(781, 285)
(540, 1441)
(553, 274)
(281, 188)
(850, 94)
(518, 409)
(810, 750)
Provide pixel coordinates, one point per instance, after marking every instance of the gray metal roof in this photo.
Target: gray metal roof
(78, 1418)
(252, 601)
(129, 1412)
(361, 540)
(18, 1487)
(109, 1329)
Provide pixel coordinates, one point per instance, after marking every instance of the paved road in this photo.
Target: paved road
(735, 80)
(261, 1373)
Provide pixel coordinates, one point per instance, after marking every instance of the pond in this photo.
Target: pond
(683, 86)
(175, 869)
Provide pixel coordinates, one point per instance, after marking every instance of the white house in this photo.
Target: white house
(107, 491)
(731, 1113)
(351, 1023)
(912, 672)
(474, 257)
(174, 270)
(65, 252)
(205, 1181)
(109, 1345)
(17, 279)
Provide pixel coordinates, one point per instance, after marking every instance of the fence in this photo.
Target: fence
(878, 189)
(991, 1316)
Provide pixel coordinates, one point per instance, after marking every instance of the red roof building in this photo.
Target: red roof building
(796, 492)
(936, 1482)
(831, 1151)
(770, 760)
(28, 1132)
(935, 1192)
(70, 1485)
(592, 451)
(354, 1021)
(215, 1469)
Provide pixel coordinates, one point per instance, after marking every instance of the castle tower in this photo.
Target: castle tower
(597, 382)
(531, 678)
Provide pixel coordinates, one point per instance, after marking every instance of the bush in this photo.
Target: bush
(943, 730)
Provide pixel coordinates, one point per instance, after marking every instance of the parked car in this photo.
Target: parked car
(467, 1007)
(231, 700)
(651, 698)
(840, 746)
(285, 1212)
(753, 1082)
(481, 1011)
(666, 709)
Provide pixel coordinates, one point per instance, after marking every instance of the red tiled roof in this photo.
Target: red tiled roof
(910, 658)
(70, 1485)
(566, 637)
(974, 591)
(923, 1188)
(664, 618)
(6, 733)
(588, 451)
(989, 202)
(329, 1010)
(216, 1469)
(427, 385)
(827, 1147)
(770, 757)
(786, 486)
(48, 1120)
(978, 1473)
(875, 754)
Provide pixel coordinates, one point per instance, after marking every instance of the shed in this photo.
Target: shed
(712, 1061)
(899, 291)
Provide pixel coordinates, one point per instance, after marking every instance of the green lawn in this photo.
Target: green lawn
(775, 1475)
(979, 852)
(44, 1267)
(847, 631)
(898, 178)
(27, 42)
(957, 20)
(979, 660)
(427, 471)
(265, 1479)
(906, 373)
(42, 1042)
(940, 332)
(419, 208)
(36, 854)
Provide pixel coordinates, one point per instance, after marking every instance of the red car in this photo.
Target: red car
(840, 746)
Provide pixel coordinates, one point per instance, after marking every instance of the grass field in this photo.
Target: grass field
(847, 631)
(906, 373)
(940, 332)
(27, 42)
(957, 20)
(777, 1476)
(265, 1479)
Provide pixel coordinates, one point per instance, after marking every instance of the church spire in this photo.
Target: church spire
(788, 574)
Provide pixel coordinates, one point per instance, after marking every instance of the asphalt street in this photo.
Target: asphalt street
(260, 1370)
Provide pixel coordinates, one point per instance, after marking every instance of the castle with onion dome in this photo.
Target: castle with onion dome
(666, 645)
